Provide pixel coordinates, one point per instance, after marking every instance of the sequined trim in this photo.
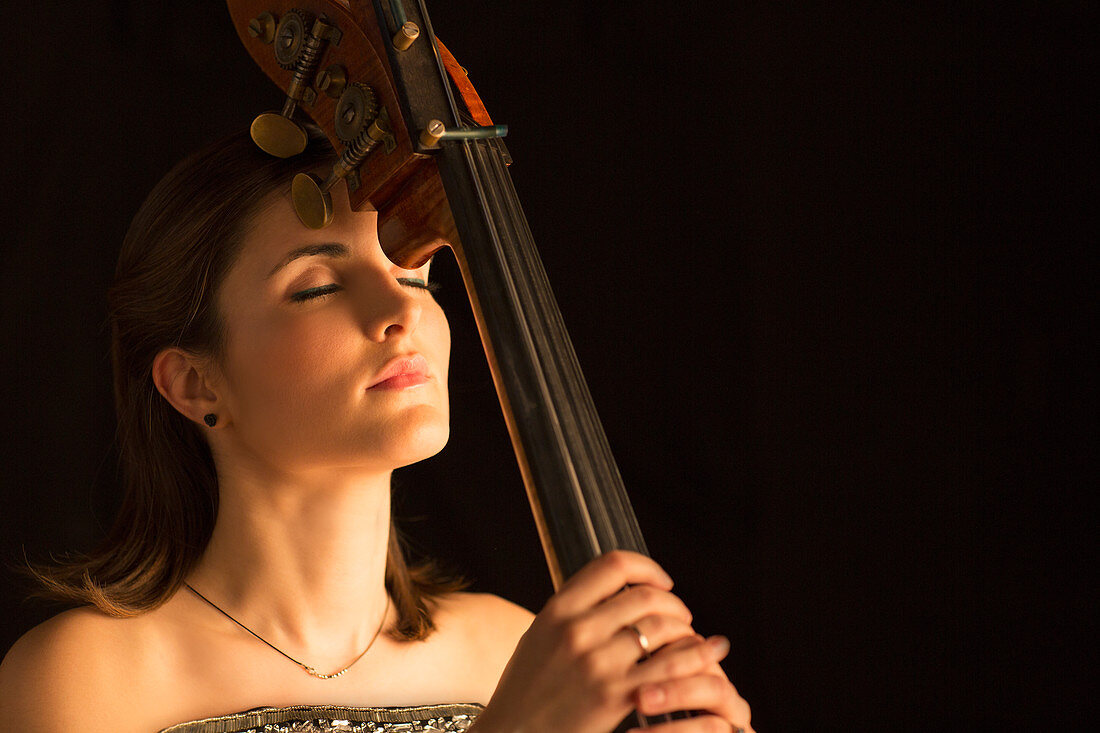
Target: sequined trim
(333, 719)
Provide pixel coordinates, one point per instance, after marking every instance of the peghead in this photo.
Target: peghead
(278, 135)
(312, 201)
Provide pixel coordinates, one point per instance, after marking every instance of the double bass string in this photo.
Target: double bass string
(596, 474)
(594, 478)
(576, 404)
(562, 368)
(512, 247)
(584, 463)
(545, 332)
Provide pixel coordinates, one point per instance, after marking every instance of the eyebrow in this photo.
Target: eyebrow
(323, 249)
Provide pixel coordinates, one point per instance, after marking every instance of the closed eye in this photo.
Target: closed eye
(313, 293)
(416, 282)
(322, 290)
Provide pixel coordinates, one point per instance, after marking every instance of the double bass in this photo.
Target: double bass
(416, 144)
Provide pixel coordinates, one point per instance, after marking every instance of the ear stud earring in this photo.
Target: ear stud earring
(210, 419)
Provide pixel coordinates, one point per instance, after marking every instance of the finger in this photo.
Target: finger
(682, 659)
(709, 692)
(653, 633)
(631, 605)
(604, 577)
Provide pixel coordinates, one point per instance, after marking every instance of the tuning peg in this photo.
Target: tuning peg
(277, 134)
(299, 49)
(312, 200)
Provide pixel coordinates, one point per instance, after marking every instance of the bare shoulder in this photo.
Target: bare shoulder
(479, 633)
(486, 617)
(62, 673)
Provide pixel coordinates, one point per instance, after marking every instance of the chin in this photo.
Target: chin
(417, 441)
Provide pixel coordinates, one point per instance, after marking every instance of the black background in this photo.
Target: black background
(824, 267)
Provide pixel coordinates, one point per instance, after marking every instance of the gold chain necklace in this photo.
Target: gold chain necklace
(310, 670)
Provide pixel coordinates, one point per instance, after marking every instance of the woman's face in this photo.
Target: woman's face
(335, 357)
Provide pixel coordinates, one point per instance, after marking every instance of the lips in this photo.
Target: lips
(402, 372)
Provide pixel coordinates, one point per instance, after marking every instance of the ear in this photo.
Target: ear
(186, 381)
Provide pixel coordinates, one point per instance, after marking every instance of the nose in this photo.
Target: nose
(390, 309)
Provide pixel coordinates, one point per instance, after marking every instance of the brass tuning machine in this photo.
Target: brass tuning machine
(361, 125)
(298, 41)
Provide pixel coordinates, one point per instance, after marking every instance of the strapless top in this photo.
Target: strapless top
(335, 719)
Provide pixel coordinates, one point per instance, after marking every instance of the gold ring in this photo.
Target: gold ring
(643, 640)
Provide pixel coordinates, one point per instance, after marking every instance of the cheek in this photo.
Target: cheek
(268, 360)
(275, 365)
(438, 331)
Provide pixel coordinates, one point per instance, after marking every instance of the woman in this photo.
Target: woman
(268, 379)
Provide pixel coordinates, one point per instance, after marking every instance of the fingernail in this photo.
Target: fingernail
(653, 696)
(719, 645)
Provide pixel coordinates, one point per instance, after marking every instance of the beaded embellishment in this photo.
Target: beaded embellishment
(332, 719)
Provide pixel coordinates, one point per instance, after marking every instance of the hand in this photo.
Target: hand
(685, 676)
(576, 669)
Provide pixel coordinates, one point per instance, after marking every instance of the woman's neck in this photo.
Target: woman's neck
(301, 560)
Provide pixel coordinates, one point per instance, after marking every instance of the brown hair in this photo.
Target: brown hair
(180, 245)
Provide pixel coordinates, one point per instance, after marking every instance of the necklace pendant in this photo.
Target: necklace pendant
(320, 676)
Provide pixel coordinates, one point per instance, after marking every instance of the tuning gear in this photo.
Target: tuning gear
(298, 49)
(360, 127)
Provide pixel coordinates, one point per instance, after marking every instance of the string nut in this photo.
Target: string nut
(432, 133)
(404, 37)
